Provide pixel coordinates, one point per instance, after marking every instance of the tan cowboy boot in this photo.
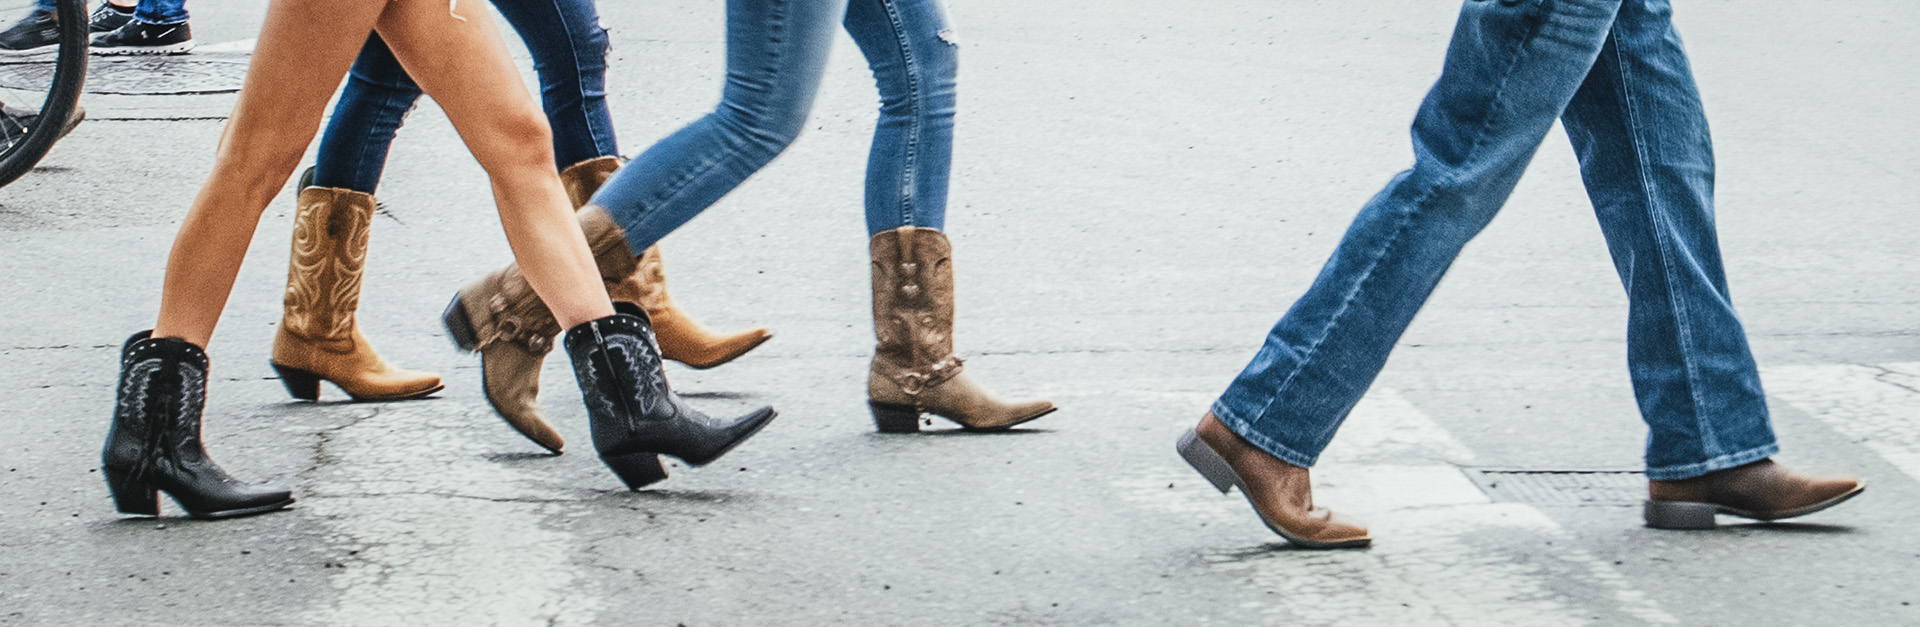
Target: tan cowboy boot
(682, 338)
(1281, 493)
(501, 317)
(914, 369)
(318, 337)
(1762, 490)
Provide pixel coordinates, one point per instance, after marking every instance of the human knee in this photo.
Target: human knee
(513, 140)
(768, 131)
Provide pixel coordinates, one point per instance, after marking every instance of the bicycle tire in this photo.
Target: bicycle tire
(63, 96)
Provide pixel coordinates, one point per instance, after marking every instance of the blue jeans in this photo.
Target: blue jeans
(776, 52)
(149, 11)
(1615, 74)
(569, 53)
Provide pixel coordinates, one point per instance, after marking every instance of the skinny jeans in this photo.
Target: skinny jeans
(569, 50)
(776, 53)
(1615, 74)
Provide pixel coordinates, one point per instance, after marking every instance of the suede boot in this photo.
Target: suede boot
(914, 368)
(1761, 490)
(319, 339)
(1281, 493)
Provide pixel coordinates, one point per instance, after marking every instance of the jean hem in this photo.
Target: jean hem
(1259, 440)
(1723, 462)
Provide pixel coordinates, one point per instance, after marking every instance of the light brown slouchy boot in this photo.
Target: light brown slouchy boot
(914, 369)
(318, 337)
(500, 316)
(682, 338)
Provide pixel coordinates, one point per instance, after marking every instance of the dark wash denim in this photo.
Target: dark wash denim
(569, 54)
(1616, 76)
(149, 11)
(776, 53)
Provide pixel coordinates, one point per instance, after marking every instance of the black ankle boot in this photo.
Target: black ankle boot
(636, 418)
(155, 442)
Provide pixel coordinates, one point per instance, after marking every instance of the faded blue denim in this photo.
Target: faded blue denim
(149, 11)
(1616, 75)
(776, 53)
(569, 54)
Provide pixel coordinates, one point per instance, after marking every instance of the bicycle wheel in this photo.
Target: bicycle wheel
(40, 87)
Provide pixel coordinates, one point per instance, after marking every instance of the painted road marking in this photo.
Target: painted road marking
(1877, 406)
(1443, 554)
(434, 534)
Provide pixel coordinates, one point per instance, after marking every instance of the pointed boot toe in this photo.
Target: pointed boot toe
(1761, 490)
(1281, 493)
(680, 336)
(512, 378)
(636, 416)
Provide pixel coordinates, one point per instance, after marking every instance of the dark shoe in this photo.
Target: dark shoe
(109, 17)
(636, 417)
(34, 35)
(155, 442)
(140, 38)
(914, 368)
(1762, 490)
(1281, 493)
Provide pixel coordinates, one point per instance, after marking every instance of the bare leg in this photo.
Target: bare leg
(300, 59)
(465, 67)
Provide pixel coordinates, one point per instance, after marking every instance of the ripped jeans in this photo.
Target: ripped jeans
(1614, 73)
(776, 53)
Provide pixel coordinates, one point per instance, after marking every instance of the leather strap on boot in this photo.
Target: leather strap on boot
(913, 308)
(512, 312)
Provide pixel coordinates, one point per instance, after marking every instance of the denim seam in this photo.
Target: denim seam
(573, 52)
(679, 187)
(1406, 218)
(911, 69)
(1260, 440)
(1708, 442)
(366, 148)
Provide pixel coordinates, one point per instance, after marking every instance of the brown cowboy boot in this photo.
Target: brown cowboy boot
(914, 369)
(501, 317)
(682, 338)
(318, 337)
(1762, 490)
(1281, 493)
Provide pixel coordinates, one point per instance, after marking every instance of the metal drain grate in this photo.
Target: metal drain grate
(1562, 487)
(140, 76)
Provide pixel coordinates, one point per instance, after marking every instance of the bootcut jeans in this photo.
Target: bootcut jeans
(776, 53)
(569, 50)
(1616, 76)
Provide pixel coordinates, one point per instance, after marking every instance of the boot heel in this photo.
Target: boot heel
(892, 418)
(301, 384)
(133, 497)
(1207, 461)
(459, 326)
(1680, 515)
(637, 470)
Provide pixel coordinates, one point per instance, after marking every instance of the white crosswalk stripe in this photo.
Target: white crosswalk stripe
(1877, 406)
(1437, 558)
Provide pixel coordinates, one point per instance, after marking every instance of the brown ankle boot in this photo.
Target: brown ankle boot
(1762, 490)
(501, 317)
(1281, 493)
(914, 369)
(682, 338)
(318, 337)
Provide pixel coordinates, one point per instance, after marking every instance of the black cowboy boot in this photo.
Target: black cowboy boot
(636, 418)
(155, 442)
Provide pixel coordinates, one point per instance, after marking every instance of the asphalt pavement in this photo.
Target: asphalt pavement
(1141, 188)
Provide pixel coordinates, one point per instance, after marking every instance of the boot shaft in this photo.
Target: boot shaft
(158, 403)
(330, 234)
(584, 178)
(913, 297)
